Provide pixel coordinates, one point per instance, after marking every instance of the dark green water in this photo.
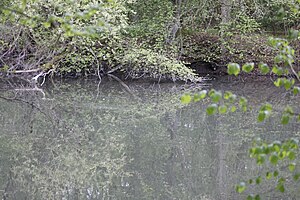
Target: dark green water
(81, 140)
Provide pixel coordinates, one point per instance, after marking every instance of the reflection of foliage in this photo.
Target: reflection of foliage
(71, 158)
(51, 167)
(107, 143)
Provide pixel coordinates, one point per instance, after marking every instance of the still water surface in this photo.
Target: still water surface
(80, 140)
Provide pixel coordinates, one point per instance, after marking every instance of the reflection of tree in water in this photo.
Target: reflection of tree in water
(84, 144)
(74, 162)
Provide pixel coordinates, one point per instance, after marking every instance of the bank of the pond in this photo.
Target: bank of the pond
(200, 54)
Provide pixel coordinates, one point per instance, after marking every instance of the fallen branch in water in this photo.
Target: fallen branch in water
(123, 84)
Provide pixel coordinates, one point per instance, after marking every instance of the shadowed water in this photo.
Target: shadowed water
(84, 140)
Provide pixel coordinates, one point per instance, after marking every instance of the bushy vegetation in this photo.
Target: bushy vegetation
(98, 37)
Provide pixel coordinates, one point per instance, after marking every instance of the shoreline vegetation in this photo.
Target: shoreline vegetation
(163, 40)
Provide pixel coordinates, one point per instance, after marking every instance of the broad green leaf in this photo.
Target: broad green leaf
(275, 173)
(212, 109)
(268, 175)
(250, 197)
(274, 159)
(233, 69)
(243, 101)
(216, 97)
(257, 197)
(196, 98)
(258, 180)
(261, 116)
(211, 92)
(264, 69)
(279, 58)
(291, 155)
(241, 187)
(186, 99)
(277, 70)
(296, 177)
(233, 109)
(292, 167)
(222, 109)
(282, 154)
(244, 108)
(227, 95)
(281, 180)
(280, 187)
(294, 142)
(267, 107)
(47, 24)
(296, 90)
(260, 159)
(203, 94)
(248, 67)
(287, 84)
(279, 82)
(285, 119)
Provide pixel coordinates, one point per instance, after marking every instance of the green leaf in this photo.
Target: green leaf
(280, 187)
(267, 107)
(277, 70)
(274, 159)
(268, 175)
(285, 119)
(203, 94)
(200, 96)
(248, 67)
(287, 84)
(260, 159)
(47, 24)
(296, 177)
(261, 116)
(296, 90)
(264, 69)
(258, 180)
(211, 92)
(216, 96)
(233, 109)
(279, 58)
(227, 95)
(212, 109)
(243, 101)
(222, 109)
(241, 187)
(291, 155)
(186, 99)
(250, 197)
(233, 69)
(275, 173)
(282, 155)
(292, 167)
(279, 82)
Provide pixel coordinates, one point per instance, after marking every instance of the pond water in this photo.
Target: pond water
(78, 139)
